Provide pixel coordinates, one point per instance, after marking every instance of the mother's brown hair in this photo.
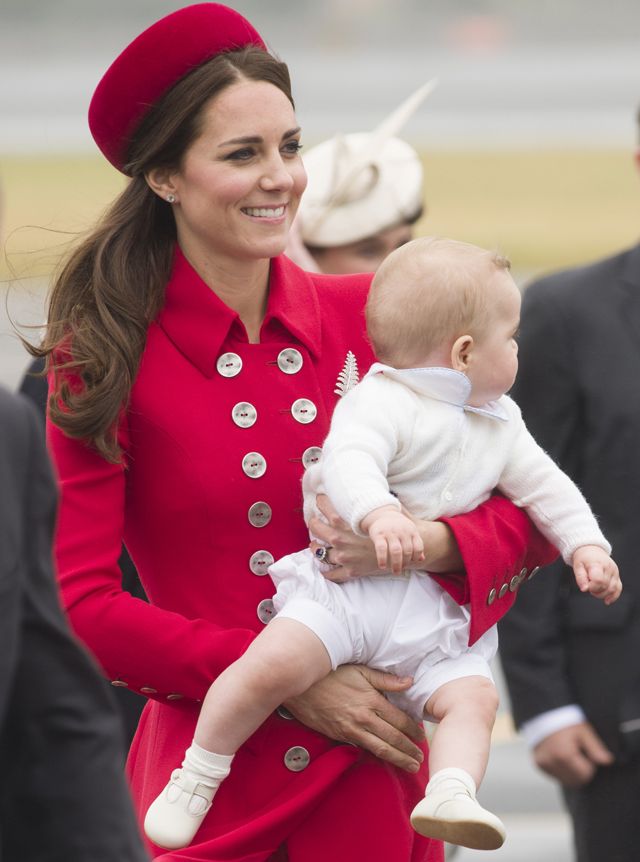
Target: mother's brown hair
(112, 286)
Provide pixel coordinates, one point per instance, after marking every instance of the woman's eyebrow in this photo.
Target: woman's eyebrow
(256, 139)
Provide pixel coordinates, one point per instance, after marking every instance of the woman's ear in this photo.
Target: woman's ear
(160, 181)
(461, 353)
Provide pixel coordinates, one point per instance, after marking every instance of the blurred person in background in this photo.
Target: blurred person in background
(63, 794)
(194, 371)
(364, 195)
(571, 667)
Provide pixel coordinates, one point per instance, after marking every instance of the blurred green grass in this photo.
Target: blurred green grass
(545, 209)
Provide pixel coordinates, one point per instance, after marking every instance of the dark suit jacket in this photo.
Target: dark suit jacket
(579, 390)
(63, 795)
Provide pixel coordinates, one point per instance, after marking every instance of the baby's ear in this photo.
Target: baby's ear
(461, 351)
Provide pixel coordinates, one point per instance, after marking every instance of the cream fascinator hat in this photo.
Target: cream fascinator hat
(362, 183)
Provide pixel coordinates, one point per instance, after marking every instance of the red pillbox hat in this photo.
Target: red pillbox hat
(154, 62)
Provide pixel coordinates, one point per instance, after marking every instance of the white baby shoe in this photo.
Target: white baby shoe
(175, 815)
(450, 812)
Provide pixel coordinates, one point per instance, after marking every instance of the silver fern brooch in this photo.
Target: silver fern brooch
(348, 377)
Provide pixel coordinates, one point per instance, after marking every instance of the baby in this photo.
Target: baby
(429, 431)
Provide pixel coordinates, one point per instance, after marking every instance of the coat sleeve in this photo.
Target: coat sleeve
(501, 550)
(181, 656)
(532, 645)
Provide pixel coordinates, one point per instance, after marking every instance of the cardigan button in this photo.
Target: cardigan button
(311, 456)
(229, 364)
(492, 596)
(119, 683)
(260, 561)
(254, 465)
(304, 411)
(259, 514)
(244, 414)
(534, 571)
(514, 583)
(290, 360)
(265, 611)
(175, 696)
(146, 689)
(503, 589)
(297, 758)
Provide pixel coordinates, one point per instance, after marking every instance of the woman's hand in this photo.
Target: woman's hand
(354, 556)
(347, 706)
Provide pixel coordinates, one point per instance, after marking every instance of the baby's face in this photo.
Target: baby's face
(494, 360)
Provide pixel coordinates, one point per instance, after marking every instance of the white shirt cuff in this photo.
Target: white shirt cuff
(543, 725)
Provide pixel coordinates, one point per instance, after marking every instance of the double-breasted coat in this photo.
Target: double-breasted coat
(216, 437)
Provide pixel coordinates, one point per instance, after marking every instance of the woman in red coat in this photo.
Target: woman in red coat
(194, 371)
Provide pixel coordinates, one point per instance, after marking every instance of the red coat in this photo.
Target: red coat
(214, 438)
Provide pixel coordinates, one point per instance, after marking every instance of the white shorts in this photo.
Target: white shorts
(407, 626)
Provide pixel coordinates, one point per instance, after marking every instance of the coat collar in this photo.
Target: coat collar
(442, 384)
(199, 323)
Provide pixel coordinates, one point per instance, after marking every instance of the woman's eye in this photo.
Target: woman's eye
(240, 155)
(292, 147)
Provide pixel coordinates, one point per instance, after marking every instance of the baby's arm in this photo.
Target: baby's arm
(533, 480)
(396, 538)
(596, 573)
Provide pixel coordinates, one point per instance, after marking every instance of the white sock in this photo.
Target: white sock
(451, 777)
(206, 767)
(203, 767)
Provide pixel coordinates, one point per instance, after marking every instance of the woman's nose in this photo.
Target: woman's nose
(276, 175)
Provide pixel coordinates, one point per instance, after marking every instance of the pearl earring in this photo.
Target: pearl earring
(171, 198)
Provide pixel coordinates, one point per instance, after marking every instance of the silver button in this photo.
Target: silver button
(265, 611)
(260, 562)
(297, 758)
(534, 571)
(244, 414)
(304, 411)
(503, 589)
(146, 689)
(229, 364)
(175, 696)
(311, 456)
(283, 712)
(259, 514)
(492, 596)
(119, 683)
(254, 465)
(290, 360)
(514, 583)
(523, 574)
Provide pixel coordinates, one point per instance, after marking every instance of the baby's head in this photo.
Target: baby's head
(438, 302)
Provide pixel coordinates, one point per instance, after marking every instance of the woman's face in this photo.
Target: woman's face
(240, 182)
(365, 255)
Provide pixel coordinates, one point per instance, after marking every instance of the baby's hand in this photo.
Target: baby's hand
(596, 573)
(395, 537)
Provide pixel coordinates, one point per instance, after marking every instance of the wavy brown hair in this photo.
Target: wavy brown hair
(112, 285)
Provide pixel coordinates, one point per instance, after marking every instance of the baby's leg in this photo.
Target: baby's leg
(284, 660)
(465, 710)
